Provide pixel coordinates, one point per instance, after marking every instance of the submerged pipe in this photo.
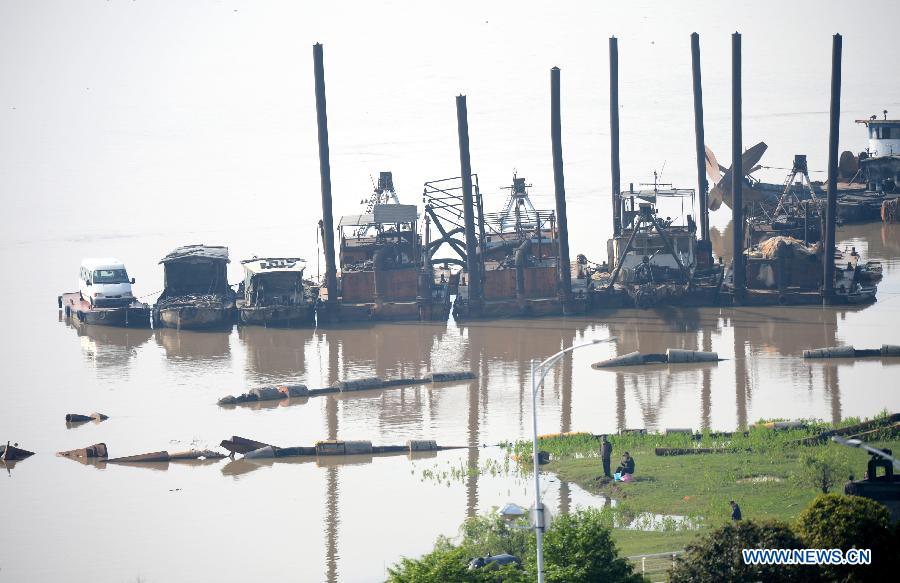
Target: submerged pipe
(565, 268)
(737, 172)
(700, 140)
(614, 133)
(325, 174)
(465, 169)
(833, 133)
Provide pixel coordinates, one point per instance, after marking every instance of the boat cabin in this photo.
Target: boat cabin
(273, 281)
(196, 270)
(650, 247)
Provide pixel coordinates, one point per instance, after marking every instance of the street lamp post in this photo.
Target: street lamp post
(544, 368)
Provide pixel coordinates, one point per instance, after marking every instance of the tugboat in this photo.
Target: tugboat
(196, 295)
(274, 293)
(655, 261)
(104, 297)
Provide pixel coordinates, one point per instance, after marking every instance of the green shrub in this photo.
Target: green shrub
(578, 548)
(844, 522)
(717, 556)
(823, 467)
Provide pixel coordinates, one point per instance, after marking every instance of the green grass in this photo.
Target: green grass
(700, 486)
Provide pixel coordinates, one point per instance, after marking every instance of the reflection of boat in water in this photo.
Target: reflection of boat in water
(108, 346)
(196, 294)
(274, 293)
(275, 355)
(191, 346)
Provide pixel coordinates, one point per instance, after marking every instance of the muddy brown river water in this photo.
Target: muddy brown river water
(130, 128)
(347, 519)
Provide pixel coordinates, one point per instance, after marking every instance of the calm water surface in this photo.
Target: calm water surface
(129, 130)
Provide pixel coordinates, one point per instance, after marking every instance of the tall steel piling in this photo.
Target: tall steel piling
(562, 222)
(833, 134)
(325, 174)
(700, 143)
(465, 168)
(737, 171)
(614, 134)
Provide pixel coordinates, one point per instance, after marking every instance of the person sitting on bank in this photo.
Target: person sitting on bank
(627, 466)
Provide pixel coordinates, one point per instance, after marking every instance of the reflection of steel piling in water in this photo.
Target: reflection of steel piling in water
(739, 272)
(833, 133)
(564, 266)
(614, 134)
(325, 175)
(700, 143)
(465, 164)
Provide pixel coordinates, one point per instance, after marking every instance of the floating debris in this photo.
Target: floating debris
(851, 352)
(365, 384)
(672, 356)
(96, 451)
(77, 418)
(252, 449)
(12, 453)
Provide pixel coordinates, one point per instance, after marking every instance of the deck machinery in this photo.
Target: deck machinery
(384, 274)
(517, 251)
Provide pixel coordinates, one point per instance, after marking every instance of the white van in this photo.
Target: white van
(104, 283)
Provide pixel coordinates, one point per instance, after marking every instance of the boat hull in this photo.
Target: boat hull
(278, 316)
(194, 317)
(134, 315)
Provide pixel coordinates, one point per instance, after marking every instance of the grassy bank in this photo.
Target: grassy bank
(769, 475)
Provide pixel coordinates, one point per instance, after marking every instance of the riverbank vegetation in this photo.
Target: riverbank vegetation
(769, 472)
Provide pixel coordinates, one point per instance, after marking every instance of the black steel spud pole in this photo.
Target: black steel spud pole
(700, 140)
(737, 175)
(562, 222)
(833, 135)
(465, 169)
(325, 174)
(614, 134)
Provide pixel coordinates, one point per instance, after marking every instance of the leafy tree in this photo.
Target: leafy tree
(822, 468)
(717, 556)
(579, 548)
(845, 522)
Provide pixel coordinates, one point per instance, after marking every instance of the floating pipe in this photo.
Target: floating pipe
(737, 172)
(465, 169)
(562, 223)
(672, 356)
(325, 175)
(614, 134)
(833, 134)
(886, 350)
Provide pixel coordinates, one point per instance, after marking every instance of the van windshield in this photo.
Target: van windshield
(110, 276)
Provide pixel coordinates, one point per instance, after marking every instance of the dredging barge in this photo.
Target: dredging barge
(196, 295)
(656, 261)
(384, 272)
(274, 293)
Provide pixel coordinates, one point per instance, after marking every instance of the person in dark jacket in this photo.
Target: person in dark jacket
(627, 466)
(735, 511)
(605, 455)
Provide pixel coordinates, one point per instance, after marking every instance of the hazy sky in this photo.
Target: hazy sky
(120, 117)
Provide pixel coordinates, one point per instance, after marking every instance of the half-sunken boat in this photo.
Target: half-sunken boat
(787, 271)
(654, 260)
(104, 297)
(384, 274)
(274, 293)
(196, 295)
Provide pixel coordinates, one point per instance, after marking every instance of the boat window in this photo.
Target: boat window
(110, 276)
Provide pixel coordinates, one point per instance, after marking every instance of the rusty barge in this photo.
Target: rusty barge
(273, 293)
(196, 295)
